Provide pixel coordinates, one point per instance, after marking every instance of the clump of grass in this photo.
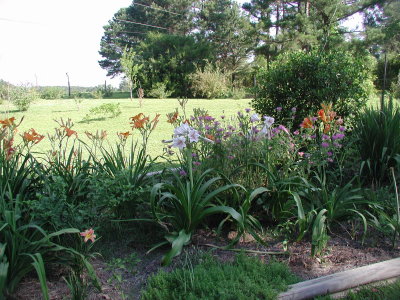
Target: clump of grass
(245, 278)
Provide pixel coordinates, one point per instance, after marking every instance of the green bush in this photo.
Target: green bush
(378, 141)
(159, 91)
(3, 90)
(22, 96)
(245, 278)
(305, 80)
(51, 93)
(211, 82)
(111, 109)
(237, 93)
(101, 92)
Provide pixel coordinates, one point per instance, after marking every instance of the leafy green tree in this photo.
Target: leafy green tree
(131, 67)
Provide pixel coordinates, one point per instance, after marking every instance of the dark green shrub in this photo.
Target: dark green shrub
(246, 278)
(378, 140)
(305, 80)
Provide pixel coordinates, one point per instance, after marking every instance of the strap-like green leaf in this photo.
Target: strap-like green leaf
(182, 239)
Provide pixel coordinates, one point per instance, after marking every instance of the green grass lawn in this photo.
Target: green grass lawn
(41, 116)
(42, 113)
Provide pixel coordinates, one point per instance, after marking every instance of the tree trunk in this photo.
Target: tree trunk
(69, 87)
(277, 18)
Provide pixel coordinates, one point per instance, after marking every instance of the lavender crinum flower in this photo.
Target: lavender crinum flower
(265, 131)
(185, 134)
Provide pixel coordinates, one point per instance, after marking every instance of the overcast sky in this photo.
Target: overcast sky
(41, 40)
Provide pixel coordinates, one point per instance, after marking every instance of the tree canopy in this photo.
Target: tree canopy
(173, 37)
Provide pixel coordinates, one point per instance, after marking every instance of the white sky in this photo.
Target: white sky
(51, 37)
(41, 40)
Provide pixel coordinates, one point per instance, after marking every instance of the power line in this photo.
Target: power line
(168, 11)
(19, 21)
(141, 24)
(134, 32)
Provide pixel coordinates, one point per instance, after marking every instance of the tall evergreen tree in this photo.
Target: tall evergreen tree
(382, 39)
(303, 24)
(130, 25)
(223, 24)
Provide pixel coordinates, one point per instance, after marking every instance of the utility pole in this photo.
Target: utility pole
(69, 87)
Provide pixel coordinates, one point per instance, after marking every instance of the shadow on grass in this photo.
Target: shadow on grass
(13, 111)
(61, 111)
(91, 120)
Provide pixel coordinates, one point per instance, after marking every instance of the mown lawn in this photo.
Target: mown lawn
(41, 116)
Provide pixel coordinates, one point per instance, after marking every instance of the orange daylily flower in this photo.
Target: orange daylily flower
(327, 107)
(124, 135)
(32, 136)
(210, 137)
(7, 122)
(172, 117)
(327, 128)
(69, 132)
(307, 123)
(322, 116)
(139, 121)
(88, 235)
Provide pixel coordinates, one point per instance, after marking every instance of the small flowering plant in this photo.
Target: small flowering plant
(181, 206)
(8, 129)
(88, 235)
(321, 136)
(144, 125)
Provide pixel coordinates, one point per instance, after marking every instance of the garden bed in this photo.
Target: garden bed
(342, 254)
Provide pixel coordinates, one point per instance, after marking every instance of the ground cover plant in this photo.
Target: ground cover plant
(245, 278)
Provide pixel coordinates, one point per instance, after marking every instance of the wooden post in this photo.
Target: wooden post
(343, 281)
(69, 87)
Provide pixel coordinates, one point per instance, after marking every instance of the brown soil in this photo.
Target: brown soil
(341, 254)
